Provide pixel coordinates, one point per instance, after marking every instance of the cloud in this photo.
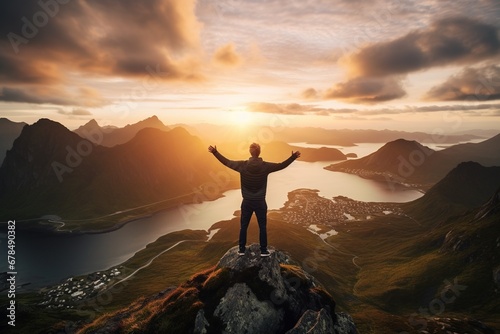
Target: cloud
(310, 94)
(227, 56)
(307, 109)
(34, 71)
(294, 109)
(75, 112)
(472, 84)
(273, 108)
(367, 90)
(53, 95)
(115, 38)
(18, 95)
(456, 40)
(376, 71)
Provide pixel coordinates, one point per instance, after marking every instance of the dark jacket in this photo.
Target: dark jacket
(253, 174)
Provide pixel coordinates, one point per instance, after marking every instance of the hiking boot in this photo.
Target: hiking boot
(265, 253)
(241, 252)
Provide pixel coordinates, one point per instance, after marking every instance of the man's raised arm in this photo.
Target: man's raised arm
(225, 161)
(274, 167)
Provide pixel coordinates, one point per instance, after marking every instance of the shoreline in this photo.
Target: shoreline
(381, 177)
(46, 225)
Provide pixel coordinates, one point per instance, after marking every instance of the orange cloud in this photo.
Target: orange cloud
(310, 94)
(113, 38)
(472, 84)
(376, 70)
(451, 40)
(367, 90)
(226, 55)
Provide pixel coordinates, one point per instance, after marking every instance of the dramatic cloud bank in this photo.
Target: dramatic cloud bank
(377, 69)
(472, 84)
(367, 90)
(118, 38)
(447, 41)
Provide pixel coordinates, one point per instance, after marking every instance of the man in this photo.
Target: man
(253, 178)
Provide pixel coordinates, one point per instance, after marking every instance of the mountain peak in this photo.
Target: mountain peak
(90, 125)
(404, 144)
(46, 128)
(150, 121)
(466, 167)
(92, 122)
(46, 121)
(241, 294)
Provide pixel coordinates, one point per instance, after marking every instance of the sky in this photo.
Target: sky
(403, 65)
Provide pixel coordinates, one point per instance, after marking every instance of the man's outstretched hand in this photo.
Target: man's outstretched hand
(212, 149)
(296, 154)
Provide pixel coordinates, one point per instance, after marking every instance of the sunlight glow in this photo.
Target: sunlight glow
(242, 118)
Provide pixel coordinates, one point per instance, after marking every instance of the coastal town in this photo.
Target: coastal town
(72, 291)
(306, 207)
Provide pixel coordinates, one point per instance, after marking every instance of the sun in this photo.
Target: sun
(242, 118)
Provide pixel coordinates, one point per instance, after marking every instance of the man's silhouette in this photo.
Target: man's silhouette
(253, 178)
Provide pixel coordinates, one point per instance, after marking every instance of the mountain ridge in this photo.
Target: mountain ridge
(52, 170)
(317, 135)
(109, 137)
(411, 163)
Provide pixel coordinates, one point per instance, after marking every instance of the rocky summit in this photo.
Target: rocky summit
(241, 294)
(274, 295)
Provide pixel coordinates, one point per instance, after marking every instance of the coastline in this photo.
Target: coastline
(384, 177)
(49, 225)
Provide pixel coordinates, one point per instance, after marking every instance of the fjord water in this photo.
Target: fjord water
(44, 259)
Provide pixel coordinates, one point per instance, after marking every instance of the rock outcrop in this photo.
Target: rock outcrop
(246, 294)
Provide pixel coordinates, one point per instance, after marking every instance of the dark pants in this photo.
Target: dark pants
(248, 207)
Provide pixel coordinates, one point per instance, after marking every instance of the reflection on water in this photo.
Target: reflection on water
(46, 259)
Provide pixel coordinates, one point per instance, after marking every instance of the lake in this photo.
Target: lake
(45, 259)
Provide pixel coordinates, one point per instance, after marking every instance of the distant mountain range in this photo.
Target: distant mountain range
(52, 170)
(112, 136)
(276, 151)
(106, 135)
(278, 131)
(408, 162)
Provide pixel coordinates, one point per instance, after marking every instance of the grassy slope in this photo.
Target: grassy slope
(404, 269)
